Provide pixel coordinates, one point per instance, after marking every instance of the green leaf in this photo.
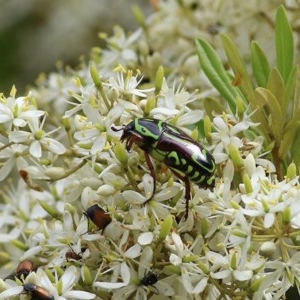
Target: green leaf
(273, 110)
(213, 68)
(290, 131)
(296, 104)
(245, 85)
(284, 44)
(276, 87)
(243, 80)
(260, 64)
(295, 147)
(290, 89)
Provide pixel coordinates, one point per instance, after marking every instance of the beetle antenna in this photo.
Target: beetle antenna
(117, 129)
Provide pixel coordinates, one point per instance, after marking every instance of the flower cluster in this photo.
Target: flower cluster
(78, 205)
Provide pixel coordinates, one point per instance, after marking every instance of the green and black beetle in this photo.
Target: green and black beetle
(166, 143)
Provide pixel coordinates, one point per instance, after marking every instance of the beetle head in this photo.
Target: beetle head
(131, 135)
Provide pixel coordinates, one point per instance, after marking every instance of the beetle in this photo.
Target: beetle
(149, 279)
(98, 216)
(166, 143)
(72, 255)
(37, 292)
(24, 268)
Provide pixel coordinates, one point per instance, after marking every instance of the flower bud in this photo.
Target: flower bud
(250, 165)
(166, 227)
(247, 183)
(139, 15)
(233, 261)
(105, 190)
(20, 245)
(236, 156)
(291, 171)
(150, 104)
(55, 173)
(207, 128)
(203, 267)
(159, 79)
(86, 275)
(121, 153)
(256, 284)
(50, 209)
(267, 248)
(287, 215)
(95, 75)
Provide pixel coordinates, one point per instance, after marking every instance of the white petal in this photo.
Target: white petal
(216, 258)
(201, 285)
(98, 144)
(175, 260)
(177, 242)
(145, 238)
(92, 114)
(133, 197)
(191, 117)
(11, 292)
(109, 285)
(6, 168)
(19, 136)
(133, 251)
(5, 114)
(12, 235)
(269, 220)
(167, 193)
(125, 273)
(242, 275)
(145, 261)
(31, 114)
(54, 146)
(186, 280)
(69, 277)
(86, 134)
(68, 220)
(19, 122)
(35, 149)
(113, 115)
(79, 295)
(221, 275)
(220, 124)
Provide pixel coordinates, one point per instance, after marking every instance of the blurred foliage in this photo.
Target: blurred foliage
(35, 35)
(273, 95)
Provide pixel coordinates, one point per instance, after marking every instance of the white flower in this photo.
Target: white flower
(68, 280)
(127, 84)
(17, 111)
(37, 138)
(121, 50)
(12, 157)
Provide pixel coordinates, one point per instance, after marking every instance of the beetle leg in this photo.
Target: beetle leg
(187, 183)
(152, 173)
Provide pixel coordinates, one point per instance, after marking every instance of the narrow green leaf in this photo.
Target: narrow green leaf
(296, 104)
(245, 85)
(284, 43)
(276, 87)
(274, 112)
(290, 131)
(290, 89)
(260, 64)
(243, 80)
(213, 68)
(295, 147)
